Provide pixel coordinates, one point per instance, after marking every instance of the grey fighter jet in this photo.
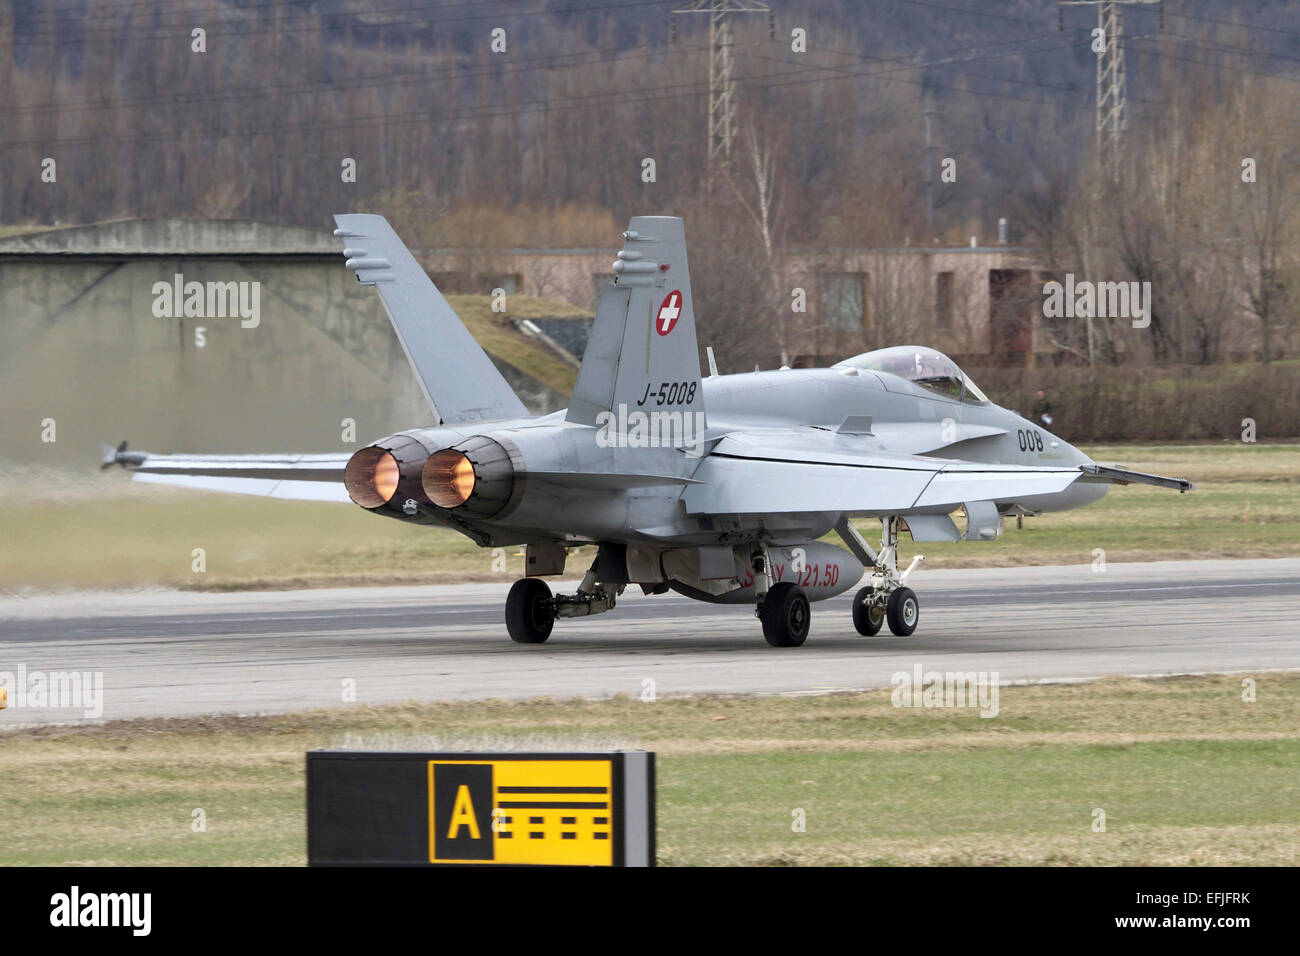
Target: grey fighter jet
(718, 488)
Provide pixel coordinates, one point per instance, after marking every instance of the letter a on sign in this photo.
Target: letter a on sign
(462, 815)
(460, 811)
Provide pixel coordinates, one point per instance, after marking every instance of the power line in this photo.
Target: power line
(454, 71)
(950, 64)
(1222, 66)
(908, 63)
(515, 66)
(966, 10)
(836, 119)
(186, 20)
(1234, 23)
(581, 101)
(1224, 48)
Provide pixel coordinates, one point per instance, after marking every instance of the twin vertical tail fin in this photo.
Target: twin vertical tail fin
(459, 380)
(641, 360)
(642, 357)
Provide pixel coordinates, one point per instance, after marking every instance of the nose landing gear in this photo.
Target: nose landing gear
(887, 598)
(868, 617)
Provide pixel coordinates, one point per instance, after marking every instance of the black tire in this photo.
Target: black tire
(530, 613)
(867, 618)
(785, 615)
(903, 611)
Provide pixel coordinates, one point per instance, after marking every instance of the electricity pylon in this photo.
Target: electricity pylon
(722, 87)
(1112, 109)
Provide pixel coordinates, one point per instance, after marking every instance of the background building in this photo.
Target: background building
(81, 344)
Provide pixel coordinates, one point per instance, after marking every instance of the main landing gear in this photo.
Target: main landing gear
(531, 609)
(887, 598)
(785, 614)
(783, 608)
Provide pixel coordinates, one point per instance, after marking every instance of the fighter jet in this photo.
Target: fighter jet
(720, 488)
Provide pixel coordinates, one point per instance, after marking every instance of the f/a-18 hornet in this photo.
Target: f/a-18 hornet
(718, 488)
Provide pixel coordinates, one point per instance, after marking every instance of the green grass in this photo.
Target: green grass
(984, 806)
(22, 229)
(494, 332)
(1246, 504)
(1186, 772)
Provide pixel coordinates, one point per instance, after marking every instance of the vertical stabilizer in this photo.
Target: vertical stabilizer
(459, 380)
(642, 355)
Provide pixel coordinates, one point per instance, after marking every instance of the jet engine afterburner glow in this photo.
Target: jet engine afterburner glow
(448, 478)
(371, 477)
(475, 478)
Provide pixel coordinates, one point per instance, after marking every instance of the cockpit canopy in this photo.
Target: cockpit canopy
(922, 366)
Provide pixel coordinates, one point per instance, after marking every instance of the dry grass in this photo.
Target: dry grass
(1186, 771)
(498, 336)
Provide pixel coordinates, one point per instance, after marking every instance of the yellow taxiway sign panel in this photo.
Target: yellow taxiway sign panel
(521, 811)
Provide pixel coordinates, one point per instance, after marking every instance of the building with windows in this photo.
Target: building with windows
(980, 304)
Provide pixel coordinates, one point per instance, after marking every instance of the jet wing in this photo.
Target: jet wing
(758, 474)
(293, 477)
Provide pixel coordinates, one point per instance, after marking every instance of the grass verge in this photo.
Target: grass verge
(1185, 770)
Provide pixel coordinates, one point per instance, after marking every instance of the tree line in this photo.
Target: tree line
(539, 135)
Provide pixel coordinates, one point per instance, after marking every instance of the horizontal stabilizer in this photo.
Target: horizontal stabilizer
(295, 477)
(291, 490)
(328, 467)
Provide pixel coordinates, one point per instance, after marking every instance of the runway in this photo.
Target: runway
(168, 653)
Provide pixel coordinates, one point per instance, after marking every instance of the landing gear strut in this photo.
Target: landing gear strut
(887, 598)
(783, 608)
(531, 609)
